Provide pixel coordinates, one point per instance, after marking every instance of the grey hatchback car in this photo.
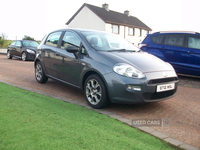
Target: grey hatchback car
(105, 66)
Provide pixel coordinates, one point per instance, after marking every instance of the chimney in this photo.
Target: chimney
(106, 6)
(126, 12)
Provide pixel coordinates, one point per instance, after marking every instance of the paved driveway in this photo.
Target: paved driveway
(183, 110)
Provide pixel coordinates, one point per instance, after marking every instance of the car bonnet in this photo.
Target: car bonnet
(143, 61)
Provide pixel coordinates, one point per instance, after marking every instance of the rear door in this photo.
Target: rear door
(174, 50)
(12, 48)
(48, 52)
(193, 50)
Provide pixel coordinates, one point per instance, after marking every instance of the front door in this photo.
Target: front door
(68, 66)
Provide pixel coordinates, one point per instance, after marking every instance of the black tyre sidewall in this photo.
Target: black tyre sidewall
(9, 56)
(104, 98)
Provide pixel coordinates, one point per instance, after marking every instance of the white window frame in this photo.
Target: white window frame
(131, 32)
(115, 29)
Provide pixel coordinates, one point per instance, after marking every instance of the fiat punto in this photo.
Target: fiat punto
(106, 67)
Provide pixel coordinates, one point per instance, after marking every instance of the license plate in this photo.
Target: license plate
(165, 87)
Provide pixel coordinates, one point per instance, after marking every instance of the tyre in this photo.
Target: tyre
(24, 58)
(9, 55)
(95, 92)
(39, 73)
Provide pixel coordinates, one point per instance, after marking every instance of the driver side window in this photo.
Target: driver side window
(70, 39)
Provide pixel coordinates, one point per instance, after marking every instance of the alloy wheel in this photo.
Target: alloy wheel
(93, 91)
(38, 72)
(24, 56)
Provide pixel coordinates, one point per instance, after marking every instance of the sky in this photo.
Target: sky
(36, 18)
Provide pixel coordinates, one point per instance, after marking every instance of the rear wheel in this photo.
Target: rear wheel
(24, 58)
(39, 73)
(95, 92)
(9, 55)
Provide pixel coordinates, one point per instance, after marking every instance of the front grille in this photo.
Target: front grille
(157, 81)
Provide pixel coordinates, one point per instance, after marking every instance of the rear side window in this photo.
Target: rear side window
(174, 40)
(194, 42)
(157, 38)
(53, 39)
(18, 43)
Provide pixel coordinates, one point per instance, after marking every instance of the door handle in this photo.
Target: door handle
(190, 52)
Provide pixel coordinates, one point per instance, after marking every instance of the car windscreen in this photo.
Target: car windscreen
(108, 42)
(30, 44)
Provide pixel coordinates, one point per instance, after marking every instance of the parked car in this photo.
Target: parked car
(105, 66)
(23, 49)
(180, 49)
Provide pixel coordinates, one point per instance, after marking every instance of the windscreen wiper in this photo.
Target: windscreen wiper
(121, 50)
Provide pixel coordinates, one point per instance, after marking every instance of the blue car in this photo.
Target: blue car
(180, 49)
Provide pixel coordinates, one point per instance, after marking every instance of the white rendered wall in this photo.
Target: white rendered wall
(86, 19)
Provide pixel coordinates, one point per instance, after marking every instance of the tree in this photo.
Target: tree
(3, 40)
(28, 38)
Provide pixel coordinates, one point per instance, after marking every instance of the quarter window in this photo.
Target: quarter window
(53, 39)
(115, 29)
(174, 40)
(157, 38)
(13, 43)
(194, 42)
(70, 39)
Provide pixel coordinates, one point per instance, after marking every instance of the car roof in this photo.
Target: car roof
(78, 30)
(184, 32)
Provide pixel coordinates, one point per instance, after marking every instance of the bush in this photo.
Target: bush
(3, 40)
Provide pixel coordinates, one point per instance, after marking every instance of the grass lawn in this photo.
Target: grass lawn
(33, 121)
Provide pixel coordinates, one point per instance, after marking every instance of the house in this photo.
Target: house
(103, 19)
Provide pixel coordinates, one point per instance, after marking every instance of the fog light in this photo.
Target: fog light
(129, 87)
(134, 88)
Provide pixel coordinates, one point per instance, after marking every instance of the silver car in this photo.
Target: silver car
(105, 66)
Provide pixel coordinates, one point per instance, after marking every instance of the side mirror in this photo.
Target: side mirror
(71, 49)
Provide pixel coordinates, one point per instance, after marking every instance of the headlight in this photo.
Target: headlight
(128, 71)
(30, 51)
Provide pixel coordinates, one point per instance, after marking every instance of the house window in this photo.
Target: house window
(131, 31)
(115, 29)
(140, 32)
(145, 32)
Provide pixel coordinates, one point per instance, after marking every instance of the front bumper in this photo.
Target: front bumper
(119, 92)
(30, 56)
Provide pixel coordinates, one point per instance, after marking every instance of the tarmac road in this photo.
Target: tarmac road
(182, 111)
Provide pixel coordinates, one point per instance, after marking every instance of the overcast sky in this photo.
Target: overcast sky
(36, 18)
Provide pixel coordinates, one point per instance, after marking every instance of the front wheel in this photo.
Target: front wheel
(39, 73)
(24, 58)
(9, 55)
(95, 92)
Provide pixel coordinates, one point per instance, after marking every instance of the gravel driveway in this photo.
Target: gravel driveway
(183, 110)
